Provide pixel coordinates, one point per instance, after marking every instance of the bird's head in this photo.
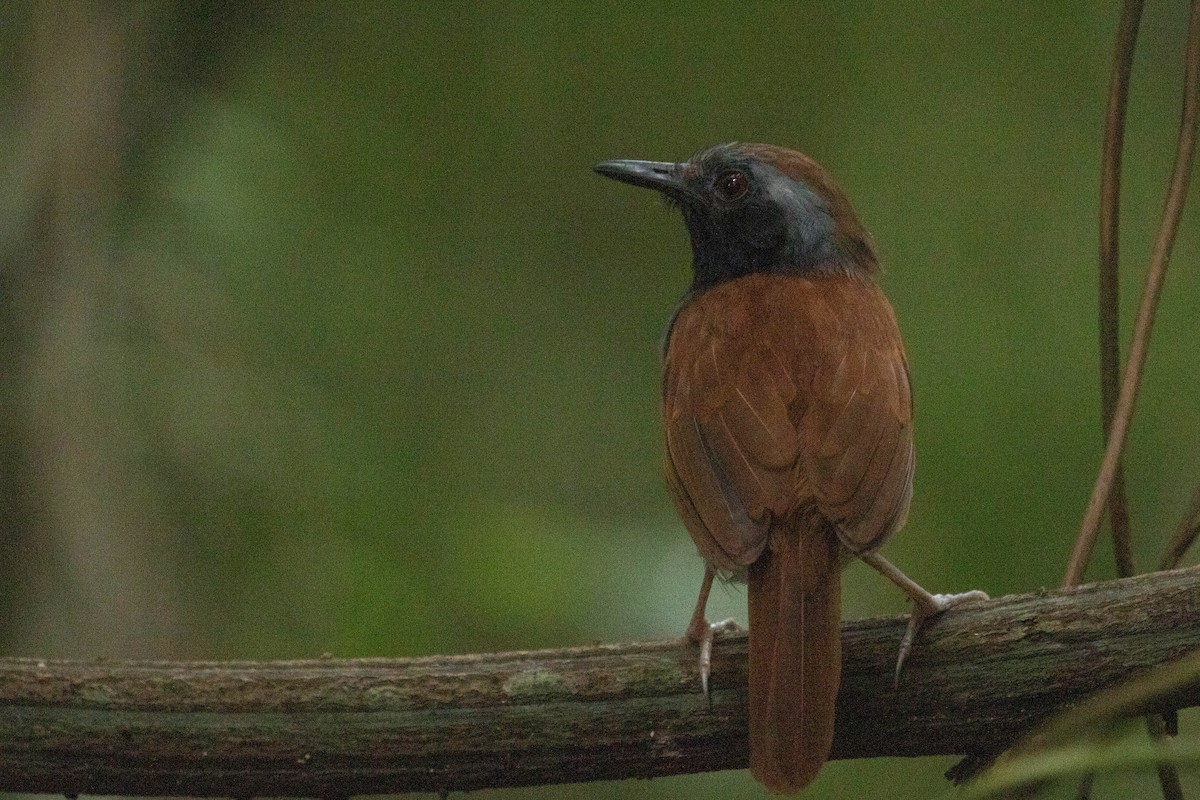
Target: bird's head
(756, 208)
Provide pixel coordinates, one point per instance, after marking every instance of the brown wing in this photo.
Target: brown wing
(858, 428)
(782, 393)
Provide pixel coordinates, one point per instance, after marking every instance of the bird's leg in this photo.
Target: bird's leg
(702, 632)
(925, 605)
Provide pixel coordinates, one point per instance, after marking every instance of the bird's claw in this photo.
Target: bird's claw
(702, 632)
(922, 612)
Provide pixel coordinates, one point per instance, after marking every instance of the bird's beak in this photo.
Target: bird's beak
(662, 176)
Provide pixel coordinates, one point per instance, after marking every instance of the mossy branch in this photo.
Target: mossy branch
(978, 677)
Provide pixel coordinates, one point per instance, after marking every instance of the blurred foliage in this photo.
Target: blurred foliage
(391, 347)
(1097, 738)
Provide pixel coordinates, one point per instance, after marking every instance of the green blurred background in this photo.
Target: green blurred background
(319, 334)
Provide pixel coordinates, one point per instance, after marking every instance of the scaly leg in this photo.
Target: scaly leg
(925, 605)
(702, 632)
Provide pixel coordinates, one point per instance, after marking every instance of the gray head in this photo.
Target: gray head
(756, 208)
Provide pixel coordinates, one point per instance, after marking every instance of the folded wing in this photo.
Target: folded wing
(765, 418)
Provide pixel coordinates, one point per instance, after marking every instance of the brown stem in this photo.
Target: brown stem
(1185, 534)
(1168, 776)
(1110, 312)
(1148, 307)
(1085, 787)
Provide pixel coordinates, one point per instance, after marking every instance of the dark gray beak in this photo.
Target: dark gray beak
(662, 176)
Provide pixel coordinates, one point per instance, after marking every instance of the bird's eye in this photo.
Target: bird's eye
(731, 186)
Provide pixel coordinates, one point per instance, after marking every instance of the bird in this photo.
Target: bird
(788, 424)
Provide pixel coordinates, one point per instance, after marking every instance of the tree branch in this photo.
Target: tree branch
(978, 677)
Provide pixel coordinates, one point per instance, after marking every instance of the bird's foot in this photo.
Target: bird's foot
(925, 607)
(702, 632)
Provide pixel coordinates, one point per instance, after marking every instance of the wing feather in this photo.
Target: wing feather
(785, 394)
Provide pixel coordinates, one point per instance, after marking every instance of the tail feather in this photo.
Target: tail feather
(795, 656)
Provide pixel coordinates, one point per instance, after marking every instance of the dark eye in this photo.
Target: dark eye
(731, 186)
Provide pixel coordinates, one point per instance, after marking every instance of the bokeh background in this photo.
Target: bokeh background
(319, 334)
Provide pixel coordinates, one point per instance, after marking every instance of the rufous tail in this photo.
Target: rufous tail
(795, 655)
